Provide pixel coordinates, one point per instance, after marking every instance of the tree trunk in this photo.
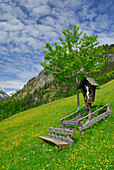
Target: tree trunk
(78, 99)
(77, 83)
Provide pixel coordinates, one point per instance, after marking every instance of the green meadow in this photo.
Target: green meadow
(21, 148)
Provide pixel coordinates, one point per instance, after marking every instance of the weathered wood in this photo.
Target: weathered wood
(91, 122)
(71, 123)
(61, 131)
(57, 142)
(93, 112)
(77, 117)
(89, 114)
(62, 138)
(69, 115)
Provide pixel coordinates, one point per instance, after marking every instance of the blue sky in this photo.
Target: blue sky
(26, 25)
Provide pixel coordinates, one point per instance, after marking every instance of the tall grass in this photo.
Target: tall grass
(20, 147)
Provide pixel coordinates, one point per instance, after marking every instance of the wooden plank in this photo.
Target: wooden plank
(91, 122)
(61, 131)
(71, 123)
(77, 117)
(93, 112)
(69, 115)
(61, 138)
(55, 141)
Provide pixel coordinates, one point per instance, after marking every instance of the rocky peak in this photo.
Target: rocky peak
(3, 94)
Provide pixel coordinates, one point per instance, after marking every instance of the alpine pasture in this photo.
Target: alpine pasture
(21, 148)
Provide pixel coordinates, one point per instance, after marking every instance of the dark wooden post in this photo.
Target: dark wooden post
(89, 117)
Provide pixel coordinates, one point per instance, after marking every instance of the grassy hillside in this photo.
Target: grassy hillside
(20, 147)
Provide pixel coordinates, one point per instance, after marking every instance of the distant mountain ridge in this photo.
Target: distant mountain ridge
(3, 94)
(10, 93)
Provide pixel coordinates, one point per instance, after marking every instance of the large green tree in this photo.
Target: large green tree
(75, 57)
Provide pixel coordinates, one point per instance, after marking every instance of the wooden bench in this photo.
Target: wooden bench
(59, 141)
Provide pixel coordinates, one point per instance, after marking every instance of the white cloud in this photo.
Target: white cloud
(29, 4)
(106, 38)
(40, 11)
(101, 22)
(13, 84)
(3, 37)
(87, 14)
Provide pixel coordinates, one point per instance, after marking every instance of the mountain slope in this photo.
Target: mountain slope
(10, 93)
(21, 148)
(3, 94)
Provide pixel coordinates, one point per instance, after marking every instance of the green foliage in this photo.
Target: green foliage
(109, 48)
(105, 78)
(76, 57)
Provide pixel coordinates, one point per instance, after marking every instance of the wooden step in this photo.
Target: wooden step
(61, 131)
(59, 144)
(71, 123)
(62, 138)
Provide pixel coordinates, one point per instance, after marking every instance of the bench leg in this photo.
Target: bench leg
(42, 141)
(57, 147)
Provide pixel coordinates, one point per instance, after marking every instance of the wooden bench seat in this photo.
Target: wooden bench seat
(58, 143)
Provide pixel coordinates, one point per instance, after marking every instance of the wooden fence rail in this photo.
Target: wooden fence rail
(69, 115)
(96, 119)
(107, 105)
